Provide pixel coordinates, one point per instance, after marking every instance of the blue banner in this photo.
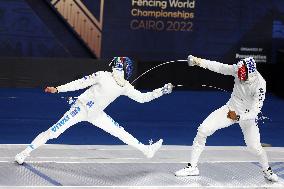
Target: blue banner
(146, 30)
(225, 30)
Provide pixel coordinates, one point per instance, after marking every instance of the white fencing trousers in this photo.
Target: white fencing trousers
(217, 120)
(78, 113)
(252, 138)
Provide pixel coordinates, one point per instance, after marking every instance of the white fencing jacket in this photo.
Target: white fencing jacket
(103, 90)
(247, 97)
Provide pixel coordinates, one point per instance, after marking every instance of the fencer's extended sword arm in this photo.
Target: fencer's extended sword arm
(143, 97)
(258, 99)
(218, 67)
(215, 66)
(78, 84)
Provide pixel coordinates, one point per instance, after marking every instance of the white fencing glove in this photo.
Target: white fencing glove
(167, 88)
(193, 61)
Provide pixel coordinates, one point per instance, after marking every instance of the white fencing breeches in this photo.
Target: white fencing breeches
(217, 120)
(106, 123)
(252, 138)
(78, 113)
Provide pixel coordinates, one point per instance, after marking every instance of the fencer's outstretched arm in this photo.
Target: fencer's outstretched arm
(258, 99)
(79, 84)
(136, 95)
(214, 66)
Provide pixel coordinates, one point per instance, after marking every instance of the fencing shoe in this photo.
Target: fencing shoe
(269, 175)
(187, 171)
(20, 158)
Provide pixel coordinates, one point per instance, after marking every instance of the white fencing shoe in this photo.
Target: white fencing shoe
(187, 171)
(269, 175)
(20, 158)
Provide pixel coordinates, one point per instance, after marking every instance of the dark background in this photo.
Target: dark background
(38, 48)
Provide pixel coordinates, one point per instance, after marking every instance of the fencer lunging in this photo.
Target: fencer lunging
(243, 107)
(104, 88)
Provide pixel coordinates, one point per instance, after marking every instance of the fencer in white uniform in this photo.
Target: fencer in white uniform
(103, 88)
(243, 107)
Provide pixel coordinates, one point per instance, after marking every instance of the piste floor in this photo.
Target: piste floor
(119, 166)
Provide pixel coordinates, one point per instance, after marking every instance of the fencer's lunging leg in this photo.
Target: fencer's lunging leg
(198, 147)
(106, 123)
(71, 117)
(216, 120)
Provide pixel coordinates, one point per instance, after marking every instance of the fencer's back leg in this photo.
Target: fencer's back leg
(76, 114)
(252, 139)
